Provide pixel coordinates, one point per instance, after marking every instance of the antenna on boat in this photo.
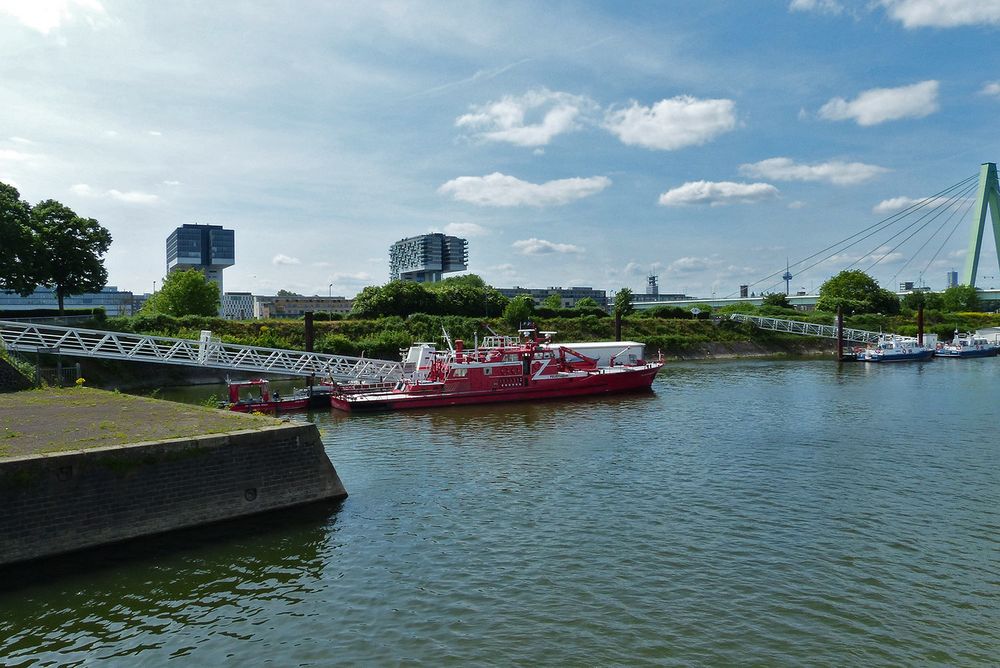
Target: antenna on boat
(447, 339)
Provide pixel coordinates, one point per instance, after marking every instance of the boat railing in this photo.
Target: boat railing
(499, 342)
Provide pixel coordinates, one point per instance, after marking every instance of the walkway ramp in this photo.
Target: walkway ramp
(207, 352)
(806, 328)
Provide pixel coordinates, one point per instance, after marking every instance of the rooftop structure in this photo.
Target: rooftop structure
(568, 296)
(425, 257)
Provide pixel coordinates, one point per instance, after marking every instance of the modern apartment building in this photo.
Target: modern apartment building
(115, 302)
(207, 248)
(425, 257)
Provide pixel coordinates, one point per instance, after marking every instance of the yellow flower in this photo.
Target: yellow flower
(80, 382)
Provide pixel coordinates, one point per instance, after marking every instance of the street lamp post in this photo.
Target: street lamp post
(330, 289)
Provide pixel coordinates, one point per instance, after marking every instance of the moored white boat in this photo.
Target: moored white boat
(895, 348)
(967, 345)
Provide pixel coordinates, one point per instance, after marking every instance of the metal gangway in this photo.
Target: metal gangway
(807, 328)
(206, 352)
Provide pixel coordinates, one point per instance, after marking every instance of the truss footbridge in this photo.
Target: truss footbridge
(207, 352)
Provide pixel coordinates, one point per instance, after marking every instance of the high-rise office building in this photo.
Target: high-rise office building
(952, 279)
(425, 257)
(207, 248)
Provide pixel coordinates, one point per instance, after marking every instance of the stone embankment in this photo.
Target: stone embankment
(81, 468)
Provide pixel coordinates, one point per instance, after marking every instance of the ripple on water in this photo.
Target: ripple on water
(747, 512)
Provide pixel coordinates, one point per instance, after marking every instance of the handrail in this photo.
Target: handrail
(806, 328)
(76, 342)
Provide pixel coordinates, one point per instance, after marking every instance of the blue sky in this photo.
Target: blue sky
(571, 143)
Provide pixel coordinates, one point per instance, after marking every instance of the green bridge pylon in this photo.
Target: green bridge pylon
(989, 196)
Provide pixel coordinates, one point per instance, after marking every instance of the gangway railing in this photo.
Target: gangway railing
(208, 352)
(806, 328)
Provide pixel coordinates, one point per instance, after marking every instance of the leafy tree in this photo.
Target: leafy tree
(552, 301)
(623, 303)
(623, 307)
(929, 300)
(184, 293)
(15, 248)
(779, 299)
(394, 298)
(856, 292)
(960, 298)
(586, 303)
(518, 310)
(287, 293)
(67, 250)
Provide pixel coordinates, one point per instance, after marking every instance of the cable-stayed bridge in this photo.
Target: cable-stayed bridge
(205, 352)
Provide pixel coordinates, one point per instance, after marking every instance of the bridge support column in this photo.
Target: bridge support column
(988, 196)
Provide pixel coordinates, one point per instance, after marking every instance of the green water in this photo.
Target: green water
(767, 513)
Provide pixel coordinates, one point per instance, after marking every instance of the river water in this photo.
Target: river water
(746, 512)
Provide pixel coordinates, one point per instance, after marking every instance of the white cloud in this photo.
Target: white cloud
(154, 133)
(672, 124)
(989, 88)
(717, 193)
(21, 140)
(903, 202)
(349, 278)
(465, 230)
(130, 197)
(823, 6)
(879, 105)
(285, 260)
(498, 189)
(111, 133)
(535, 246)
(835, 171)
(133, 197)
(507, 119)
(943, 13)
(171, 183)
(47, 15)
(10, 155)
(797, 204)
(690, 265)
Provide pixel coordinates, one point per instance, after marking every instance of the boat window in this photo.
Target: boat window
(487, 371)
(459, 373)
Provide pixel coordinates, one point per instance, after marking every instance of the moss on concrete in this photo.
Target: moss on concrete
(78, 418)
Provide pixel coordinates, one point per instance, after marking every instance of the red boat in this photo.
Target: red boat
(502, 369)
(248, 396)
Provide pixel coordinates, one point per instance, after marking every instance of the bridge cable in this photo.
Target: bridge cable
(876, 227)
(955, 200)
(941, 247)
(963, 209)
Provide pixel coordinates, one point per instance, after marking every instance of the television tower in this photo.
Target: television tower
(786, 277)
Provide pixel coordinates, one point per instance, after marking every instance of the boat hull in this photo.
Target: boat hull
(962, 354)
(606, 381)
(281, 406)
(917, 356)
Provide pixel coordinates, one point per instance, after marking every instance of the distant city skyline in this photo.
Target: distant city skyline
(592, 143)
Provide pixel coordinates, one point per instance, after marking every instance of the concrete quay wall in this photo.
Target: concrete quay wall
(56, 503)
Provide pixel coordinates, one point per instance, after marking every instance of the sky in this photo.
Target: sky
(571, 143)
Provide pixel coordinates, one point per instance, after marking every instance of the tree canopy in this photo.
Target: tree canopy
(49, 244)
(552, 301)
(960, 298)
(15, 251)
(184, 293)
(519, 310)
(623, 303)
(856, 292)
(459, 295)
(779, 299)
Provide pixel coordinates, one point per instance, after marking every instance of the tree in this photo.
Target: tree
(586, 303)
(67, 250)
(929, 300)
(287, 293)
(519, 310)
(856, 292)
(552, 301)
(185, 293)
(779, 299)
(400, 298)
(15, 248)
(623, 307)
(960, 298)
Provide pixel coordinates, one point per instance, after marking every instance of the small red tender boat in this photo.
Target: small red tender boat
(502, 369)
(248, 396)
